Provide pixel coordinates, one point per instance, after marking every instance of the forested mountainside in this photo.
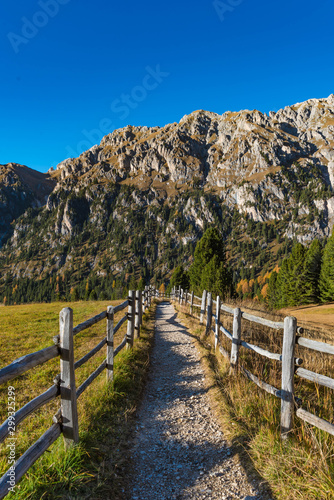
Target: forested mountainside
(134, 206)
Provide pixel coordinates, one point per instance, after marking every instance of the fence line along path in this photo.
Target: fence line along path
(179, 450)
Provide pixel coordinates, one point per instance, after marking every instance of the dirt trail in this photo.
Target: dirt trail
(179, 451)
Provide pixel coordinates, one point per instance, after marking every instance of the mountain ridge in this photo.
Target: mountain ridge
(256, 176)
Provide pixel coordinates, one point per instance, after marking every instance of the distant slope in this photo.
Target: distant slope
(20, 188)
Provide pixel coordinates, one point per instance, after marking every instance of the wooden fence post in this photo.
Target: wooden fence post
(68, 395)
(203, 306)
(137, 315)
(217, 321)
(131, 315)
(236, 339)
(179, 294)
(288, 371)
(141, 302)
(146, 297)
(186, 300)
(191, 303)
(209, 314)
(110, 343)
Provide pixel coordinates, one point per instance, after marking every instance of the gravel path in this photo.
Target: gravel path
(179, 450)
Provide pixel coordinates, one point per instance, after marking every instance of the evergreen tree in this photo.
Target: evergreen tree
(312, 272)
(179, 278)
(326, 283)
(208, 270)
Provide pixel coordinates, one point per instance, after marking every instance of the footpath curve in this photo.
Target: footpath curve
(179, 451)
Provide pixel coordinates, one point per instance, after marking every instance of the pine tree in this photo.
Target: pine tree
(312, 272)
(209, 245)
(209, 270)
(326, 283)
(179, 278)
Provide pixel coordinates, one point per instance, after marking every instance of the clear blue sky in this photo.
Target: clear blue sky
(74, 70)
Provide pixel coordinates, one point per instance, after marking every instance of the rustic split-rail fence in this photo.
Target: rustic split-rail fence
(291, 365)
(66, 419)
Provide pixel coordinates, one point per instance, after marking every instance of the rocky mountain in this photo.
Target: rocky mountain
(137, 203)
(20, 188)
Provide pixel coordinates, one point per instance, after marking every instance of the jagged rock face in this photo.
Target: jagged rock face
(20, 188)
(215, 150)
(276, 170)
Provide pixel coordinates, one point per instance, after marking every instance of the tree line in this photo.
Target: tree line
(306, 277)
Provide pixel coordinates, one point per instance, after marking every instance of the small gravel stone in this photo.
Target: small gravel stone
(179, 451)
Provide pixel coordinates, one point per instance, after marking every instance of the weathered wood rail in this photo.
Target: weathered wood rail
(66, 419)
(290, 404)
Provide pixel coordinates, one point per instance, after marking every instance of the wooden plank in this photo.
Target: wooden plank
(120, 347)
(288, 369)
(315, 377)
(29, 408)
(198, 298)
(315, 345)
(89, 322)
(322, 424)
(263, 352)
(120, 323)
(110, 343)
(137, 319)
(30, 456)
(217, 321)
(262, 321)
(209, 314)
(120, 307)
(227, 309)
(203, 307)
(67, 379)
(191, 302)
(225, 332)
(131, 319)
(236, 339)
(25, 363)
(260, 383)
(224, 352)
(268, 354)
(140, 309)
(91, 378)
(90, 354)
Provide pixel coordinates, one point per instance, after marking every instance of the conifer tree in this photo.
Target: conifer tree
(312, 272)
(179, 278)
(209, 269)
(326, 283)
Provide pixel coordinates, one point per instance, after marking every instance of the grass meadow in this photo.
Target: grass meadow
(303, 468)
(94, 467)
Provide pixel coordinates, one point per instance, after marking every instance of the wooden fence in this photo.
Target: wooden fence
(292, 336)
(66, 419)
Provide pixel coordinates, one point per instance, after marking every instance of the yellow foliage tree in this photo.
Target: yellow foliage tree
(264, 290)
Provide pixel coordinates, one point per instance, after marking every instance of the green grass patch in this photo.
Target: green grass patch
(303, 468)
(96, 467)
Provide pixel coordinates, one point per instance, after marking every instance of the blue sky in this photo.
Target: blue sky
(73, 70)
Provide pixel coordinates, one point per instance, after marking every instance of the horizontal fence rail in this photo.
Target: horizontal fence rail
(290, 364)
(66, 419)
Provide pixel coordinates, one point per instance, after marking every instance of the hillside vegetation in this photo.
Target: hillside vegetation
(95, 467)
(134, 206)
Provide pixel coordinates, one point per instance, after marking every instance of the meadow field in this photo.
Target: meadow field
(28, 328)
